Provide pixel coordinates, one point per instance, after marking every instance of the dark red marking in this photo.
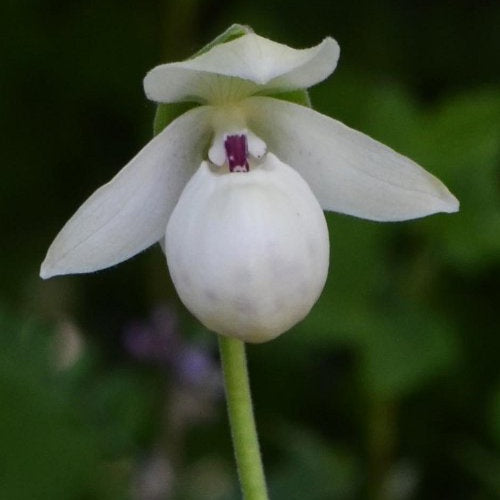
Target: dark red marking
(237, 152)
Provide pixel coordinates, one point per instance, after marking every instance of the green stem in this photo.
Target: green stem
(241, 419)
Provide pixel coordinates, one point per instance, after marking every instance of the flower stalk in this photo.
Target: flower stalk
(241, 418)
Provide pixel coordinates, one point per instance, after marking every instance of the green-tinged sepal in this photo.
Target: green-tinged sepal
(234, 31)
(299, 96)
(168, 112)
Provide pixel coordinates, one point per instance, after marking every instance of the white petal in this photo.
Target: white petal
(240, 68)
(130, 213)
(248, 252)
(256, 146)
(348, 171)
(217, 153)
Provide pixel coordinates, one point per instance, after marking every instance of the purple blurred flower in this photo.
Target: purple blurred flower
(195, 367)
(154, 340)
(158, 341)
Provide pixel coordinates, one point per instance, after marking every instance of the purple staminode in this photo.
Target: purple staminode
(237, 152)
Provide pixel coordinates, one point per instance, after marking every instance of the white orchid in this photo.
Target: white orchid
(234, 189)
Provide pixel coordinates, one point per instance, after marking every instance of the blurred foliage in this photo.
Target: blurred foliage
(390, 389)
(64, 431)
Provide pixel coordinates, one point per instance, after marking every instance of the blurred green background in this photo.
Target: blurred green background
(390, 389)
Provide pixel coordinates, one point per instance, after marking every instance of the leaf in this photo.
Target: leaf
(313, 470)
(462, 146)
(46, 452)
(403, 349)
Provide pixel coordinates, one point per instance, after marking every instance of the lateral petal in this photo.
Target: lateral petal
(348, 171)
(130, 213)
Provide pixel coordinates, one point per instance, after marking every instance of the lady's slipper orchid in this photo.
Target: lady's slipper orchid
(234, 189)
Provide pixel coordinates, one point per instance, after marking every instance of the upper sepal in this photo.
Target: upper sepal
(239, 68)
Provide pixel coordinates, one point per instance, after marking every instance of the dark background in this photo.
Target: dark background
(389, 390)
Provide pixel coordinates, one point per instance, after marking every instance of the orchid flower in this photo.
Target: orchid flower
(235, 188)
